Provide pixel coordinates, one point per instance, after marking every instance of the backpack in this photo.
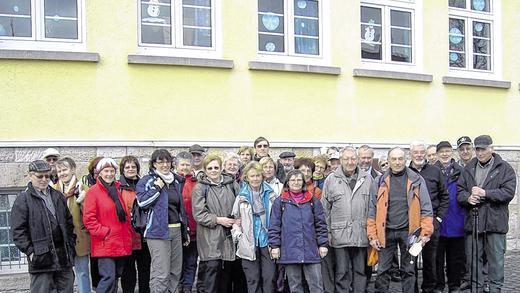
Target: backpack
(139, 218)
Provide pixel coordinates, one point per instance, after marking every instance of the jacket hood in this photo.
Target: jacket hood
(340, 174)
(226, 179)
(285, 196)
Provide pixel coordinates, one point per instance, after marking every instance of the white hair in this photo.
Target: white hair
(418, 143)
(232, 156)
(348, 148)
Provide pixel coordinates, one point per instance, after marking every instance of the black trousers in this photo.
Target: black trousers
(452, 251)
(394, 239)
(260, 273)
(214, 276)
(350, 269)
(429, 256)
(142, 259)
(328, 271)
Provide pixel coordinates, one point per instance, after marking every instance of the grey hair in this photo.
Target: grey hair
(184, 156)
(365, 147)
(395, 148)
(348, 148)
(417, 143)
(232, 156)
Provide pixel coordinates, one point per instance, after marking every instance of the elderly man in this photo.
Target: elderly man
(465, 150)
(400, 207)
(345, 203)
(431, 154)
(440, 201)
(197, 155)
(366, 156)
(51, 156)
(43, 229)
(285, 164)
(485, 188)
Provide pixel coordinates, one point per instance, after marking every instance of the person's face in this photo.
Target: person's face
(108, 174)
(444, 155)
(349, 161)
(397, 161)
(232, 166)
(319, 168)
(307, 172)
(418, 154)
(365, 159)
(484, 154)
(163, 166)
(383, 165)
(431, 155)
(64, 173)
(254, 178)
(296, 183)
(245, 157)
(334, 164)
(40, 180)
(51, 160)
(213, 171)
(183, 167)
(196, 159)
(262, 149)
(287, 162)
(465, 152)
(130, 170)
(269, 170)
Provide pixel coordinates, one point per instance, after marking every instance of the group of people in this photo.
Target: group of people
(248, 222)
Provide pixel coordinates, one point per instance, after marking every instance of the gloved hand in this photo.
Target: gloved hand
(323, 251)
(275, 253)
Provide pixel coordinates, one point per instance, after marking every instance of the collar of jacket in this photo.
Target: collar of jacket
(246, 193)
(226, 179)
(424, 166)
(307, 196)
(33, 192)
(359, 180)
(124, 185)
(102, 187)
(473, 163)
(454, 170)
(412, 176)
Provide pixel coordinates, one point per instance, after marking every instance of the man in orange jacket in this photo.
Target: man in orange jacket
(400, 207)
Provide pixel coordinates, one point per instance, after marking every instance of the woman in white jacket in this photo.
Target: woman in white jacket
(252, 209)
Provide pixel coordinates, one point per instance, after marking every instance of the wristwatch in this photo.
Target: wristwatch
(439, 219)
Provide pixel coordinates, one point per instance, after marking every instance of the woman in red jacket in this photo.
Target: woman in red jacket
(108, 221)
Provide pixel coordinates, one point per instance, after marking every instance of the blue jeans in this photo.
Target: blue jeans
(189, 265)
(312, 272)
(110, 269)
(82, 273)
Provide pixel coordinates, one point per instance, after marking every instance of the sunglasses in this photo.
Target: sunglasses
(262, 146)
(47, 176)
(51, 159)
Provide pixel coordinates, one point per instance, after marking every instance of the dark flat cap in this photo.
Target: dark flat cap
(39, 166)
(285, 155)
(483, 141)
(444, 144)
(463, 140)
(197, 149)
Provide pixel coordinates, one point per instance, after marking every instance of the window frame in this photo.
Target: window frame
(38, 40)
(469, 16)
(177, 48)
(386, 7)
(289, 34)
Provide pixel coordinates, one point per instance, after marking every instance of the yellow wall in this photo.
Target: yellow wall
(113, 100)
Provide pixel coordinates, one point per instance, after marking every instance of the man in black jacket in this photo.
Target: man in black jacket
(43, 230)
(440, 202)
(486, 186)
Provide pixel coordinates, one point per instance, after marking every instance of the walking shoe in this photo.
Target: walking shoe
(396, 277)
(465, 285)
(486, 288)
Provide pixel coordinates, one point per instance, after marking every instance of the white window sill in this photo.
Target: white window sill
(372, 73)
(503, 84)
(180, 61)
(275, 66)
(48, 55)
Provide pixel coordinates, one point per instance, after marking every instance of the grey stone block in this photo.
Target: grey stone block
(140, 152)
(79, 154)
(49, 55)
(7, 154)
(13, 174)
(29, 154)
(510, 156)
(180, 61)
(259, 65)
(393, 75)
(111, 152)
(476, 82)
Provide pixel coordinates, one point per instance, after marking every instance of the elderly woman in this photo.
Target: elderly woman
(298, 234)
(232, 166)
(252, 209)
(307, 167)
(189, 253)
(212, 203)
(320, 165)
(269, 173)
(72, 189)
(246, 154)
(161, 193)
(108, 222)
(129, 169)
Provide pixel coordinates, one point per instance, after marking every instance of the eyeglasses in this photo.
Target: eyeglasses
(213, 168)
(262, 146)
(51, 159)
(47, 176)
(384, 164)
(163, 162)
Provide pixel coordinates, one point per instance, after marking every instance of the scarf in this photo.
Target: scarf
(297, 196)
(71, 189)
(112, 193)
(132, 183)
(168, 178)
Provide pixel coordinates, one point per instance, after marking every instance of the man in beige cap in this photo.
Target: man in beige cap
(51, 156)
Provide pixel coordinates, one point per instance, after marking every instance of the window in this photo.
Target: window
(387, 33)
(41, 20)
(471, 35)
(289, 27)
(177, 23)
(10, 257)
